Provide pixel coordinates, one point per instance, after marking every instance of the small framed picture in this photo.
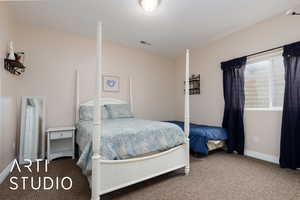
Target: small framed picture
(111, 83)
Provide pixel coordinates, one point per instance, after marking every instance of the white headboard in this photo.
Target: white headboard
(104, 100)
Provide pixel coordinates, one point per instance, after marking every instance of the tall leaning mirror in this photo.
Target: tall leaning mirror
(32, 136)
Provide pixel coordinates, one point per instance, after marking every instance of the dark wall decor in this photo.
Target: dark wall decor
(16, 66)
(194, 84)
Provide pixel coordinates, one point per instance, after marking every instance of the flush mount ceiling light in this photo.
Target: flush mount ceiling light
(149, 5)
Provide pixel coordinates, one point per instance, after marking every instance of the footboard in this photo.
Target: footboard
(116, 174)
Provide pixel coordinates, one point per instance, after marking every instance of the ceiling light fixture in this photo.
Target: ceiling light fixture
(149, 5)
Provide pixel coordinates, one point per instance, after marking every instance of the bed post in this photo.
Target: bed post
(187, 111)
(97, 120)
(131, 93)
(77, 98)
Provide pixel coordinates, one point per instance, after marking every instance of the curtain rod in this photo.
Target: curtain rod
(280, 47)
(254, 54)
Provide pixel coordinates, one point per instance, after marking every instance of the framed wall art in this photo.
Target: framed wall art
(111, 83)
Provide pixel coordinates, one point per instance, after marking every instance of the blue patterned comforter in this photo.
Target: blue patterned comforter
(126, 138)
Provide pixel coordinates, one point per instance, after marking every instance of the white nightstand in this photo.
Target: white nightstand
(60, 142)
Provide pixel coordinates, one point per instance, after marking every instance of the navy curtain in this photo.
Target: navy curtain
(290, 130)
(234, 96)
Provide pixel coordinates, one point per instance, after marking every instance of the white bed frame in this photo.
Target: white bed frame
(110, 175)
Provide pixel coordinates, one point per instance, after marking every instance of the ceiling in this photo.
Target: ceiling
(174, 26)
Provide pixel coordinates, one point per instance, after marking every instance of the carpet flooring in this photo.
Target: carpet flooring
(220, 176)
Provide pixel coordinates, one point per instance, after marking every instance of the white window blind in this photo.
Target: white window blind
(264, 83)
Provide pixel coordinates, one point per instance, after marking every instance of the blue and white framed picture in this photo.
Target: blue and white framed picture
(111, 83)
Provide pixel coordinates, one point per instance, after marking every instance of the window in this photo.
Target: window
(264, 83)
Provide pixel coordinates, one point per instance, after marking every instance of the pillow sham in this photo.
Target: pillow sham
(119, 111)
(86, 113)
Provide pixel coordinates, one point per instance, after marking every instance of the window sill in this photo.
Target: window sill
(263, 109)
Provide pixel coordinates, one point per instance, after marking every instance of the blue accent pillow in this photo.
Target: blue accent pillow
(86, 113)
(119, 111)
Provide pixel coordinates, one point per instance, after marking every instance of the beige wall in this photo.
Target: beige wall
(8, 106)
(52, 58)
(262, 127)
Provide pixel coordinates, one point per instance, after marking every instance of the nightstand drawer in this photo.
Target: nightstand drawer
(61, 135)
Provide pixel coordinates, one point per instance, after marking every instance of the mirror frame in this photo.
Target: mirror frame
(22, 128)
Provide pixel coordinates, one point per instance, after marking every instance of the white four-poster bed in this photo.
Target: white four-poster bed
(110, 175)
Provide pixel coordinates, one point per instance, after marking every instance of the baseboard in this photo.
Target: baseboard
(5, 172)
(261, 156)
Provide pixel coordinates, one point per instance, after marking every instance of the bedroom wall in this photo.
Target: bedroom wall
(262, 127)
(52, 58)
(8, 106)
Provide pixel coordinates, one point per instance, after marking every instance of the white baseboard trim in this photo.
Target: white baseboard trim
(6, 171)
(261, 156)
